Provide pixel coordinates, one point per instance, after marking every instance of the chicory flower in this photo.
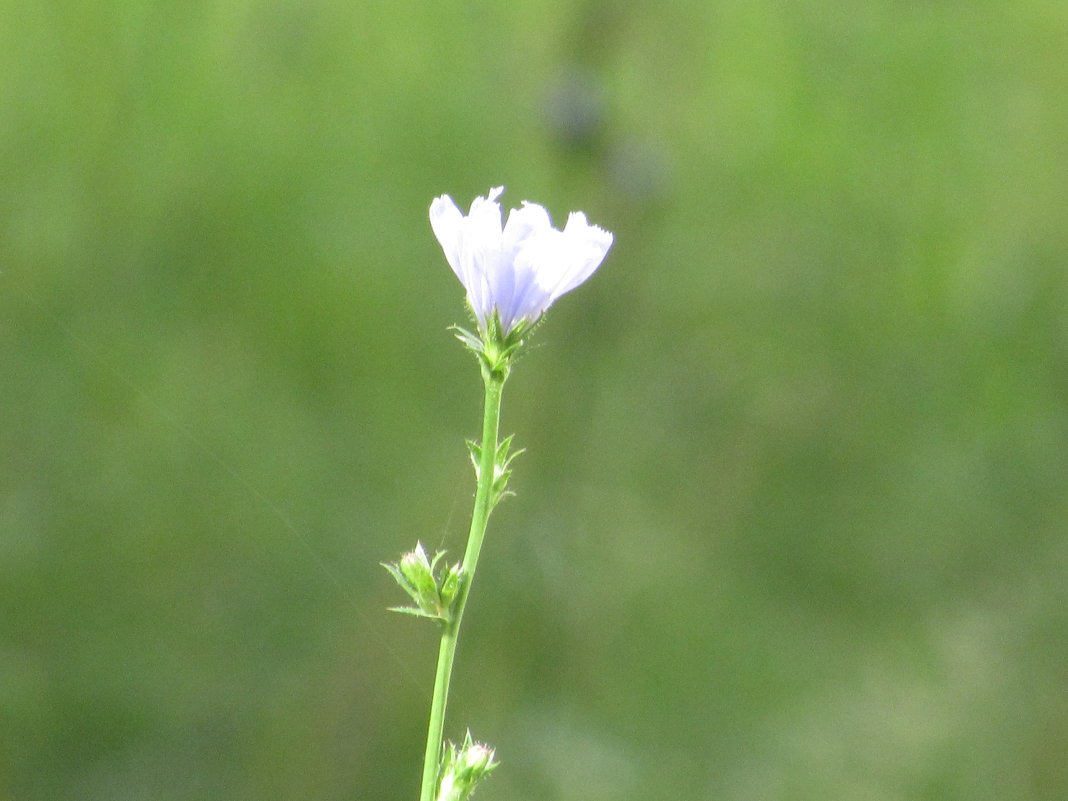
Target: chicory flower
(515, 271)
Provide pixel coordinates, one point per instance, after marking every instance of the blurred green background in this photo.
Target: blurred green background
(793, 519)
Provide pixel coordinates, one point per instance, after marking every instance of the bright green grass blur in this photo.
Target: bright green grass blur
(793, 519)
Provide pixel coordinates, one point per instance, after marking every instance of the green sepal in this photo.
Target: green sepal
(411, 610)
(495, 349)
(503, 469)
(402, 580)
(476, 455)
(470, 340)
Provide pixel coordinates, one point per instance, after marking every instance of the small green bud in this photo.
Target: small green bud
(418, 576)
(464, 767)
(450, 586)
(477, 760)
(416, 568)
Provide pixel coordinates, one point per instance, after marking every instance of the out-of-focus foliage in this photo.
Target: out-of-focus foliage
(792, 519)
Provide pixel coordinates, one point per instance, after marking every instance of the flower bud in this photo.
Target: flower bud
(450, 586)
(464, 767)
(415, 567)
(477, 760)
(415, 574)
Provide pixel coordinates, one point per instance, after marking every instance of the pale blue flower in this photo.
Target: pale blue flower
(517, 270)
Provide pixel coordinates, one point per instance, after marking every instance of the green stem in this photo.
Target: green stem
(494, 381)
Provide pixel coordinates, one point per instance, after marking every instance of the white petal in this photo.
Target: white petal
(447, 223)
(524, 222)
(562, 260)
(509, 283)
(483, 225)
(484, 268)
(549, 262)
(481, 256)
(587, 247)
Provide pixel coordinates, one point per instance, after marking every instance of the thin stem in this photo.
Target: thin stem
(494, 381)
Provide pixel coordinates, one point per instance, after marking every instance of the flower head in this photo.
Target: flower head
(517, 270)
